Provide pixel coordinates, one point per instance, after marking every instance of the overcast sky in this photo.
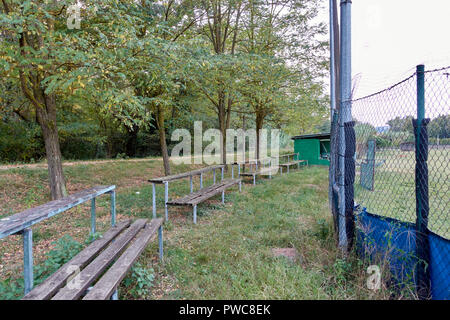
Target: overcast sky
(390, 37)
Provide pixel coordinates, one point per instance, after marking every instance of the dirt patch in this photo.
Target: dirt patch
(289, 253)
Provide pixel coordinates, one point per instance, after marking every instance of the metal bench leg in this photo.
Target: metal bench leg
(287, 169)
(214, 176)
(281, 170)
(93, 227)
(166, 198)
(201, 180)
(195, 214)
(221, 174)
(223, 196)
(239, 170)
(27, 235)
(192, 186)
(115, 295)
(113, 208)
(254, 179)
(154, 200)
(240, 188)
(160, 239)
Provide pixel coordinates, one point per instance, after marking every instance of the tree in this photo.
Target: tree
(220, 25)
(52, 62)
(401, 124)
(31, 57)
(440, 127)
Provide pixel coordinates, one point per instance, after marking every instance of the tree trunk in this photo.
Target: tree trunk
(162, 139)
(222, 125)
(131, 147)
(259, 124)
(46, 116)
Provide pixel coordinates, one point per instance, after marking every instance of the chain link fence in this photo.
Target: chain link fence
(402, 179)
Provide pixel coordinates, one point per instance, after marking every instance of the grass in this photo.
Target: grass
(227, 255)
(394, 188)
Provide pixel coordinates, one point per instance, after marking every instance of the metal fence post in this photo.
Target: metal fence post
(27, 235)
(154, 200)
(166, 199)
(93, 216)
(113, 208)
(421, 182)
(160, 238)
(345, 112)
(194, 209)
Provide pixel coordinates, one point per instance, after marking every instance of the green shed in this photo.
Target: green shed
(313, 147)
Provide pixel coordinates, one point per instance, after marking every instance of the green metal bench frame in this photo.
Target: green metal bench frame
(21, 223)
(165, 180)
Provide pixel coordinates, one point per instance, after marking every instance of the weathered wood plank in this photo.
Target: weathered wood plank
(89, 274)
(186, 174)
(214, 192)
(204, 193)
(259, 172)
(58, 279)
(184, 199)
(104, 288)
(291, 163)
(29, 217)
(287, 155)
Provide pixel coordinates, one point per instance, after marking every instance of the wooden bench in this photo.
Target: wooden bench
(261, 167)
(287, 163)
(189, 174)
(95, 259)
(193, 199)
(74, 279)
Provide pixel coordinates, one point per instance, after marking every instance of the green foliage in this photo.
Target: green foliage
(440, 126)
(138, 68)
(65, 249)
(401, 124)
(20, 141)
(139, 281)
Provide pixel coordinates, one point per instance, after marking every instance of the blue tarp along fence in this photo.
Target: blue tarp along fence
(404, 222)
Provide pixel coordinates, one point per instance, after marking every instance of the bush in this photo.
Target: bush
(20, 141)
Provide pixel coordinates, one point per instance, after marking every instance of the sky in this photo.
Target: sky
(391, 37)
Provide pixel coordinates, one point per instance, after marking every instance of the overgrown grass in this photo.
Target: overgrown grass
(227, 255)
(394, 188)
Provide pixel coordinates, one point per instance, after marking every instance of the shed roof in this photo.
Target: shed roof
(323, 135)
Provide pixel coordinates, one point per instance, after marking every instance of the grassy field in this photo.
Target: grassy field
(227, 255)
(394, 188)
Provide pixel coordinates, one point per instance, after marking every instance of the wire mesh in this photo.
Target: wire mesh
(393, 178)
(385, 159)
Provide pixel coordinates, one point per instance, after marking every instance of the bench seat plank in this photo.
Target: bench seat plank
(104, 288)
(291, 163)
(259, 172)
(57, 280)
(186, 198)
(29, 217)
(185, 174)
(205, 193)
(214, 192)
(89, 274)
